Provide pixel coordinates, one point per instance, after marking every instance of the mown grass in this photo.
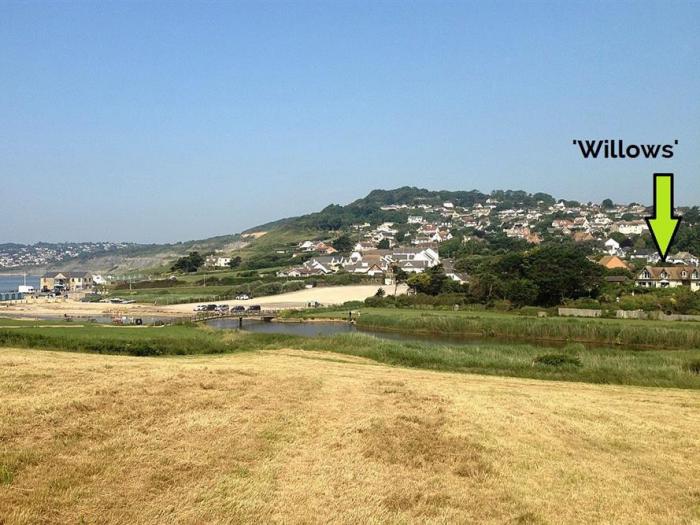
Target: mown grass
(607, 332)
(305, 437)
(668, 368)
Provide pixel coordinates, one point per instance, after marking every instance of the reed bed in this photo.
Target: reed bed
(641, 334)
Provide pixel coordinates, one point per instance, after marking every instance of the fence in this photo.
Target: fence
(579, 312)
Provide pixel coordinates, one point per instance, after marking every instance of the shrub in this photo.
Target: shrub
(557, 360)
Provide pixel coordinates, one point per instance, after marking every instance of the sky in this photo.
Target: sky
(162, 122)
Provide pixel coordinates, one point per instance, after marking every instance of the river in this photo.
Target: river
(320, 328)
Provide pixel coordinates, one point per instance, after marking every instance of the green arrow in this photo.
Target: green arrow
(663, 224)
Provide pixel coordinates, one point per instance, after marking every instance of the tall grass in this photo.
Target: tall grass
(660, 368)
(599, 331)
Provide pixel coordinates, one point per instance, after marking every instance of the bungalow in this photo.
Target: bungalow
(647, 255)
(427, 255)
(669, 277)
(365, 267)
(413, 266)
(684, 258)
(326, 263)
(631, 227)
(363, 246)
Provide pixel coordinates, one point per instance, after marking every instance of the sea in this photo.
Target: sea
(10, 283)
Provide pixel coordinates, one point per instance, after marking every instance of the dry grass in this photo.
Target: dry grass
(300, 437)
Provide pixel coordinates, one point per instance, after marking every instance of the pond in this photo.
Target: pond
(320, 328)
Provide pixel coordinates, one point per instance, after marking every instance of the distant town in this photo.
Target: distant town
(15, 256)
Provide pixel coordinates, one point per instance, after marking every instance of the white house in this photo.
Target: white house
(613, 247)
(631, 227)
(218, 262)
(426, 255)
(685, 258)
(669, 277)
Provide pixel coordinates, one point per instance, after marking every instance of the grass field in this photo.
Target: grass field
(176, 294)
(291, 436)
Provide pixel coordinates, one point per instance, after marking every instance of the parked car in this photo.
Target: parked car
(242, 297)
(222, 308)
(238, 308)
(254, 308)
(200, 308)
(211, 308)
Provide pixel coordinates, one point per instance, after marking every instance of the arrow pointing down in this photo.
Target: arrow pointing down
(663, 225)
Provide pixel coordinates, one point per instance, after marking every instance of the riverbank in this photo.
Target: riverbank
(642, 334)
(657, 368)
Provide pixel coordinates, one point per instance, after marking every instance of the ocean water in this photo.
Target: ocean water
(9, 283)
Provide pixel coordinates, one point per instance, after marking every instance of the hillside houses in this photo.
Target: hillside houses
(425, 226)
(370, 262)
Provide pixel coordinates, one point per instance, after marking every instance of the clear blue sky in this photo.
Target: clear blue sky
(171, 121)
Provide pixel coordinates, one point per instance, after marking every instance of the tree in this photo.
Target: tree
(380, 293)
(343, 243)
(521, 292)
(189, 263)
(429, 282)
(450, 248)
(235, 262)
(562, 272)
(400, 276)
(419, 282)
(607, 204)
(383, 244)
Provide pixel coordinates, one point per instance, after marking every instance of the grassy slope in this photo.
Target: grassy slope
(648, 368)
(300, 437)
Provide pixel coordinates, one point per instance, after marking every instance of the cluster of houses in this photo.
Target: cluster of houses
(681, 269)
(24, 255)
(428, 224)
(374, 262)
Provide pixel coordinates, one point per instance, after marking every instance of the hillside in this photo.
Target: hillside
(525, 217)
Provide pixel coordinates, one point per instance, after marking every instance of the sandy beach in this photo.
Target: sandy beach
(331, 295)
